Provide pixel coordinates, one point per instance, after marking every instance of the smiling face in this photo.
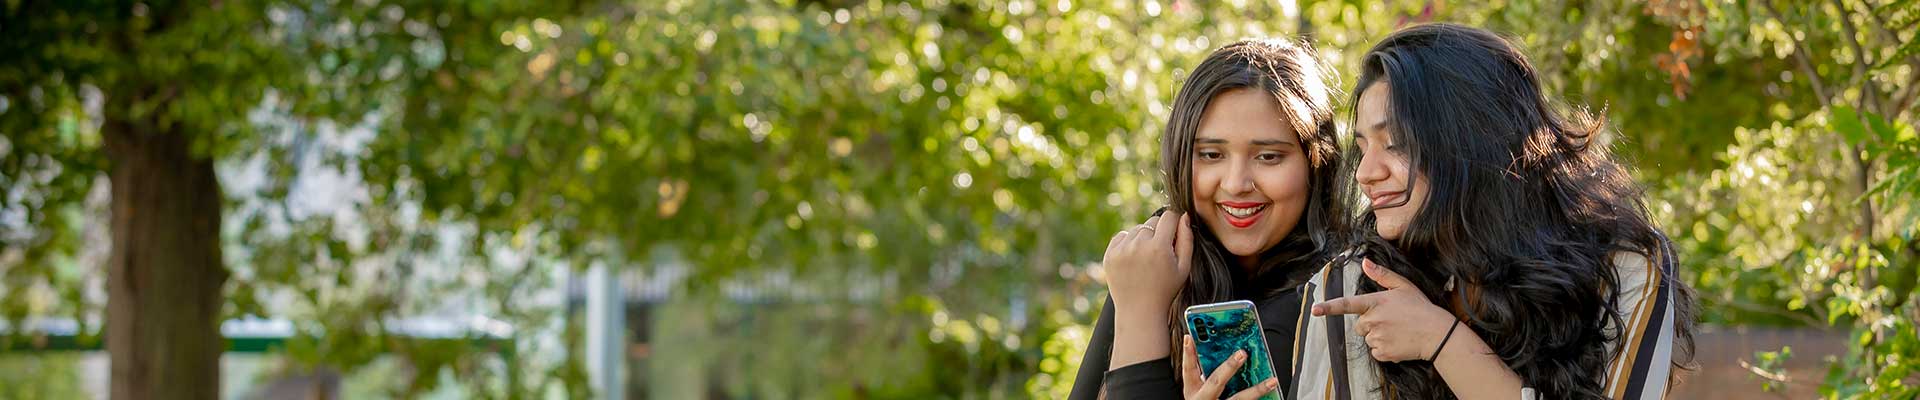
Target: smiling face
(1384, 169)
(1249, 172)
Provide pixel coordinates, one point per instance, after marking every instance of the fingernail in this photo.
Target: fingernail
(1273, 383)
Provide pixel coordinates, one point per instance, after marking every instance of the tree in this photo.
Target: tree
(537, 124)
(166, 273)
(150, 96)
(921, 184)
(1812, 215)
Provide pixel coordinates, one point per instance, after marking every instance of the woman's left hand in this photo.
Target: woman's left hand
(1399, 324)
(1197, 387)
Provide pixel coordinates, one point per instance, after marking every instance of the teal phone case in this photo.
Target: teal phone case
(1218, 330)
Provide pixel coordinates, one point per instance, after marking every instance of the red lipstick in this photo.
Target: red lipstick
(1242, 222)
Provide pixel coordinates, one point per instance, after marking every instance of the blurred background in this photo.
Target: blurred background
(675, 199)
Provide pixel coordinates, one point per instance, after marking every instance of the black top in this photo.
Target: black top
(1276, 300)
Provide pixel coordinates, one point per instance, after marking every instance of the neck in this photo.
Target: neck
(1249, 264)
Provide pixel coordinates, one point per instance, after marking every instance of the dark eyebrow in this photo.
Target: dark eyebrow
(1378, 126)
(1270, 142)
(1208, 140)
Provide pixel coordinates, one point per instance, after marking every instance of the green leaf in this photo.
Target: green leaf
(1909, 49)
(1844, 121)
(1883, 129)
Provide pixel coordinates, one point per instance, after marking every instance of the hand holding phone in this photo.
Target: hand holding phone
(1225, 340)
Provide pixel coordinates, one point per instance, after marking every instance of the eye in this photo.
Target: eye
(1209, 155)
(1267, 157)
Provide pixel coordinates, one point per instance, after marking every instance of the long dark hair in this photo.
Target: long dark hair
(1525, 206)
(1297, 80)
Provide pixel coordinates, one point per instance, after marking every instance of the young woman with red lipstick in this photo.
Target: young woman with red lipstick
(1255, 199)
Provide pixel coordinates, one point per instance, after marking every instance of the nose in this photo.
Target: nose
(1372, 169)
(1239, 179)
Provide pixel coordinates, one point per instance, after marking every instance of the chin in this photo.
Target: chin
(1389, 232)
(1244, 247)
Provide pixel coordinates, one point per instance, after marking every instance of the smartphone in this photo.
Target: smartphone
(1218, 330)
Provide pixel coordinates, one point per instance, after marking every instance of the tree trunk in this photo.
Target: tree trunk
(165, 274)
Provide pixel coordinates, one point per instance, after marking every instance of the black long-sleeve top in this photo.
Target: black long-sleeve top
(1276, 297)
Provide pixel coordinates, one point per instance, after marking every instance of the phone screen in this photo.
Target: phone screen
(1218, 330)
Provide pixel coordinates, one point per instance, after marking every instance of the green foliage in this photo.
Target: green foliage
(930, 180)
(964, 150)
(1772, 363)
(1811, 221)
(233, 75)
(41, 377)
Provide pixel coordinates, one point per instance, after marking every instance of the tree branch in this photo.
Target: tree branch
(1763, 373)
(1904, 100)
(1800, 56)
(1863, 169)
(1861, 172)
(1817, 320)
(1869, 100)
(1880, 27)
(1869, 93)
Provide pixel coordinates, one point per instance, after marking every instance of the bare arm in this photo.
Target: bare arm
(1138, 336)
(1473, 371)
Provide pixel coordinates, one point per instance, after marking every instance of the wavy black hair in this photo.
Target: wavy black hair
(1298, 81)
(1526, 207)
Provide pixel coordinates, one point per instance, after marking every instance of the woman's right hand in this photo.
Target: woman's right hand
(1147, 264)
(1196, 388)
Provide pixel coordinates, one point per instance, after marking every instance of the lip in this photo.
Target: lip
(1239, 222)
(1381, 200)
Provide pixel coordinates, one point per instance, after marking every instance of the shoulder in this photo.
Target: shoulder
(1634, 266)
(1349, 261)
(1631, 269)
(1641, 343)
(1642, 273)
